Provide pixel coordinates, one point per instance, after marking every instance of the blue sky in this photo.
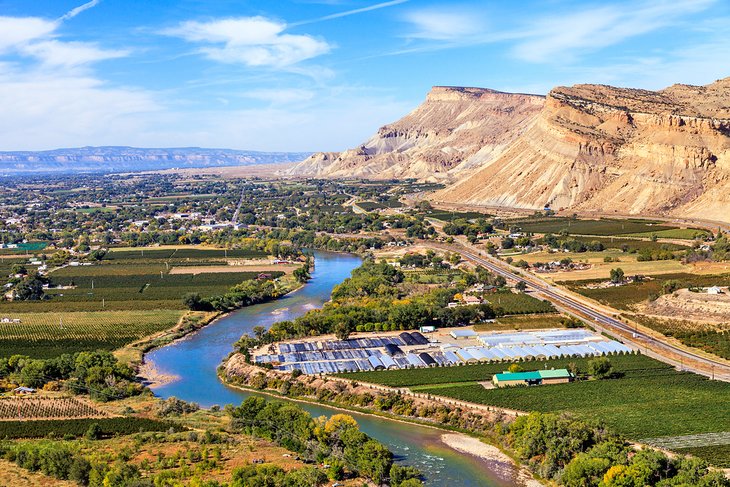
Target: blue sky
(317, 74)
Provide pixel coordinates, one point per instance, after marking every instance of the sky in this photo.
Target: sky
(311, 75)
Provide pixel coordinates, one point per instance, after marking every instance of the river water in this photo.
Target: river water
(194, 360)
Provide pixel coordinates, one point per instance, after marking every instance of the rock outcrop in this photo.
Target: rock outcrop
(586, 148)
(453, 130)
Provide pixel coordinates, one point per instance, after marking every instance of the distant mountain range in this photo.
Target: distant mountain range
(591, 148)
(132, 159)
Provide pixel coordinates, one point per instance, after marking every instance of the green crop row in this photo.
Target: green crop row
(77, 427)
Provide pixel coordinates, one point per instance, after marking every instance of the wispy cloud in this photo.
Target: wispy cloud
(444, 24)
(252, 41)
(572, 34)
(347, 13)
(75, 11)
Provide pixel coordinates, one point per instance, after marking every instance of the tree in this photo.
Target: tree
(342, 331)
(193, 301)
(94, 432)
(30, 289)
(600, 368)
(515, 368)
(617, 275)
(521, 286)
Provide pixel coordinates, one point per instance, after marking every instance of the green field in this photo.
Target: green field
(77, 427)
(523, 322)
(44, 335)
(449, 216)
(680, 233)
(710, 338)
(631, 244)
(623, 297)
(518, 303)
(604, 226)
(182, 254)
(136, 286)
(718, 455)
(649, 400)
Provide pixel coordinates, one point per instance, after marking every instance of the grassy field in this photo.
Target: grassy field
(600, 269)
(623, 297)
(522, 322)
(44, 335)
(649, 400)
(678, 233)
(602, 227)
(518, 303)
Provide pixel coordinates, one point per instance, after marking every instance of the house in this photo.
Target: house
(24, 390)
(714, 290)
(532, 378)
(427, 329)
(263, 276)
(472, 300)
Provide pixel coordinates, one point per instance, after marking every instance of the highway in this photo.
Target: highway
(662, 350)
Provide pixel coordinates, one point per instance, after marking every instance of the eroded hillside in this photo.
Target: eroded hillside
(586, 147)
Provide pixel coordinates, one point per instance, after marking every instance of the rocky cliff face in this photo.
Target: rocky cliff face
(586, 147)
(604, 149)
(454, 129)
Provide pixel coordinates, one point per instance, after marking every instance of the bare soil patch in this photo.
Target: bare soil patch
(688, 305)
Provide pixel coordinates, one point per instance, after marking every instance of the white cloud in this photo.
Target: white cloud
(444, 24)
(17, 31)
(69, 54)
(253, 41)
(556, 38)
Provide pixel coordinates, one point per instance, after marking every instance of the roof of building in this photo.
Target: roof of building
(462, 333)
(533, 375)
(554, 374)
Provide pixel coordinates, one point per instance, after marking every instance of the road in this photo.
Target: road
(650, 345)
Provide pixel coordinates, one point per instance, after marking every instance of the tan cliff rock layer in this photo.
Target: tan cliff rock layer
(455, 128)
(586, 148)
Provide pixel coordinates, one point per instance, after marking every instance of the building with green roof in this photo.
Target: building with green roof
(532, 378)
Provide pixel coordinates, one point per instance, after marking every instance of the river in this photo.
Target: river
(194, 360)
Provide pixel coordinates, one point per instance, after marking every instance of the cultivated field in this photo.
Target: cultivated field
(43, 407)
(649, 399)
(522, 322)
(601, 269)
(51, 334)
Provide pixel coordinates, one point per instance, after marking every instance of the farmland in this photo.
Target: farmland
(606, 227)
(713, 339)
(449, 216)
(518, 303)
(43, 407)
(78, 427)
(45, 335)
(522, 322)
(600, 268)
(649, 399)
(623, 297)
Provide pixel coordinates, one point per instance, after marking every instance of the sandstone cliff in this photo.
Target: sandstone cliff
(587, 147)
(454, 129)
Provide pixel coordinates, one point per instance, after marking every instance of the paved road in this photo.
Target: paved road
(705, 366)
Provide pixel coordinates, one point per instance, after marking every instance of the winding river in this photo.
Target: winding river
(194, 359)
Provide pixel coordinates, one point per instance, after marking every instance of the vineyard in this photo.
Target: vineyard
(622, 297)
(602, 227)
(32, 408)
(516, 304)
(183, 253)
(44, 335)
(710, 338)
(646, 401)
(478, 372)
(78, 427)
